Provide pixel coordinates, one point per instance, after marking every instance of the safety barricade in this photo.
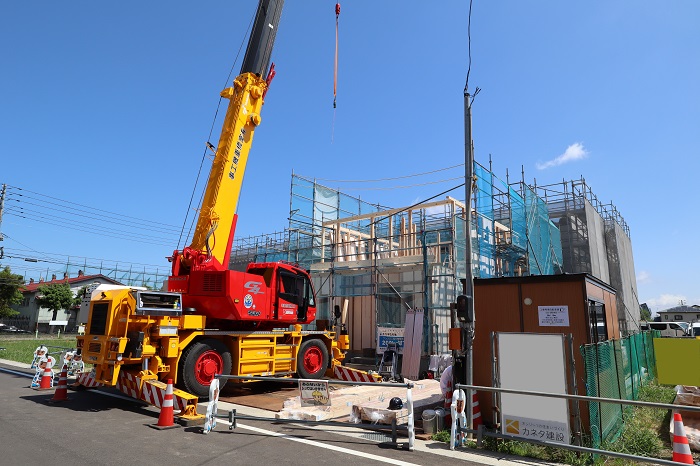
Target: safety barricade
(66, 355)
(314, 392)
(511, 430)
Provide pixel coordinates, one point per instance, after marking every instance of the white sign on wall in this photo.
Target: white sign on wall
(553, 316)
(533, 362)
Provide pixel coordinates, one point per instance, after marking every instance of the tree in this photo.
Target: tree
(80, 294)
(55, 296)
(10, 292)
(644, 312)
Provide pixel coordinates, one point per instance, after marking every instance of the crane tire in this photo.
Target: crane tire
(312, 359)
(200, 362)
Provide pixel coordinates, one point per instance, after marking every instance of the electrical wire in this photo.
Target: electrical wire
(404, 186)
(19, 196)
(48, 219)
(112, 220)
(377, 221)
(204, 154)
(469, 46)
(389, 179)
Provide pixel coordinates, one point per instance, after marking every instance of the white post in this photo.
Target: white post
(411, 424)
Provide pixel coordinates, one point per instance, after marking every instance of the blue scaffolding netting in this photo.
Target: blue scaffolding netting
(512, 233)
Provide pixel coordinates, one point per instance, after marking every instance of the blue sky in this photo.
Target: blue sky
(108, 106)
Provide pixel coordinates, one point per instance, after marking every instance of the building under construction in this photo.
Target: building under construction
(375, 263)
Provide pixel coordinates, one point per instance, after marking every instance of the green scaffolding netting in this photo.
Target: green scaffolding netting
(616, 369)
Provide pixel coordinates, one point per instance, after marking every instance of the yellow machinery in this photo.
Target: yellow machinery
(213, 320)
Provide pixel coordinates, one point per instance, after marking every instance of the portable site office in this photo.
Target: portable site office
(576, 304)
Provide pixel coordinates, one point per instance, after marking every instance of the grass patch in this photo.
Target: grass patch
(22, 349)
(442, 436)
(645, 433)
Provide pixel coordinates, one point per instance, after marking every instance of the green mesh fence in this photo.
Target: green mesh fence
(616, 369)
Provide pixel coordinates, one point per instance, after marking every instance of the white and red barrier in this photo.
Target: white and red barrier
(354, 375)
(151, 391)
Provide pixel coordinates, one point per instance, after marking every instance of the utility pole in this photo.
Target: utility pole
(2, 208)
(469, 278)
(462, 372)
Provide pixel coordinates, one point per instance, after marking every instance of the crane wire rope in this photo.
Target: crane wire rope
(209, 145)
(335, 70)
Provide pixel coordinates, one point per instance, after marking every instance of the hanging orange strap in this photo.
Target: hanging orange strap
(335, 67)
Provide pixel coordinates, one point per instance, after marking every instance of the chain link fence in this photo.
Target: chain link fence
(616, 369)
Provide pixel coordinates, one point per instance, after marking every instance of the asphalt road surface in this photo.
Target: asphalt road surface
(103, 427)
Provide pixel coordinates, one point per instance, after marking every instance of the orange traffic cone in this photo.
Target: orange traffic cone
(46, 379)
(476, 412)
(61, 393)
(681, 449)
(166, 418)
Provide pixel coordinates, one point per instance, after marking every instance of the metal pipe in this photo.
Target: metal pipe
(321, 423)
(582, 398)
(407, 385)
(593, 451)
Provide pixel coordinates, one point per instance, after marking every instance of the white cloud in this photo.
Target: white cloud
(665, 301)
(643, 277)
(575, 151)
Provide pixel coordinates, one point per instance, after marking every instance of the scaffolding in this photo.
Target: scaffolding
(595, 239)
(379, 262)
(151, 277)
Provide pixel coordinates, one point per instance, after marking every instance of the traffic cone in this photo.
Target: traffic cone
(681, 449)
(61, 393)
(46, 380)
(447, 407)
(166, 418)
(476, 412)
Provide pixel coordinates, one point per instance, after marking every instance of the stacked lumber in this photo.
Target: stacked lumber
(366, 403)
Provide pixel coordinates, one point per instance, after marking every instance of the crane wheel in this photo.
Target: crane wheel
(312, 359)
(200, 362)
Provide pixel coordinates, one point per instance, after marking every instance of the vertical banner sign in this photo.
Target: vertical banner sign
(386, 335)
(533, 362)
(314, 392)
(553, 316)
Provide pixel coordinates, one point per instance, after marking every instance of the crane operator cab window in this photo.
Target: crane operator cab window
(296, 296)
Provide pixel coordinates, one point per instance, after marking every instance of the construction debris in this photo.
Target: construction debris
(366, 403)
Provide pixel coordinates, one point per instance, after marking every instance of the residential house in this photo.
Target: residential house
(40, 317)
(681, 313)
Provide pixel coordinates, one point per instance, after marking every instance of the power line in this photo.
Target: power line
(103, 231)
(112, 220)
(390, 179)
(404, 186)
(112, 214)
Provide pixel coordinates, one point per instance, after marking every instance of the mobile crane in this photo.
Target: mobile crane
(213, 320)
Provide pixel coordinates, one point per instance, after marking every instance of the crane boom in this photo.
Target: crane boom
(213, 237)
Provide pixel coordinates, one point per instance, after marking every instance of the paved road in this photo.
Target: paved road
(102, 427)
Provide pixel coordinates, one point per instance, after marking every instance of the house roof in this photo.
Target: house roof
(682, 308)
(32, 287)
